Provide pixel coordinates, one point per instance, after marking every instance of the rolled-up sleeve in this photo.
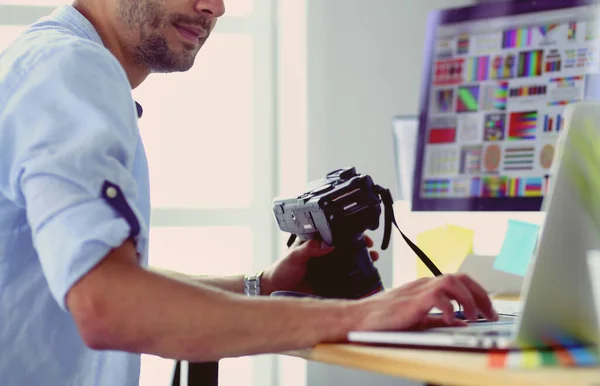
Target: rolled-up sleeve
(71, 125)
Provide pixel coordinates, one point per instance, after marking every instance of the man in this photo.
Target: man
(77, 303)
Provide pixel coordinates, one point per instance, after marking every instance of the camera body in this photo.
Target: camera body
(338, 210)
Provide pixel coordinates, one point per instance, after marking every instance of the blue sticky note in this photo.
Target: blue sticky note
(517, 249)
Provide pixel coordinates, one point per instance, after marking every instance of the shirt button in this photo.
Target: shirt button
(111, 192)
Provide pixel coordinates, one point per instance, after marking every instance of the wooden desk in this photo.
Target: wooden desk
(443, 367)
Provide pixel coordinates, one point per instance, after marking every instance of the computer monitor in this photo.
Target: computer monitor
(497, 79)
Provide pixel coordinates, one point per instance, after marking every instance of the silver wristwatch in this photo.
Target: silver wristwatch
(252, 284)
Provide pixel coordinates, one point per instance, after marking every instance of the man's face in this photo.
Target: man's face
(166, 35)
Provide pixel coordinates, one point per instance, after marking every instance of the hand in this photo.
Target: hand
(407, 307)
(289, 273)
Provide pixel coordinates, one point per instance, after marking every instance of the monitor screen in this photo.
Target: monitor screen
(498, 77)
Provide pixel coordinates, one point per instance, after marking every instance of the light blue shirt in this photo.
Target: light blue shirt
(73, 185)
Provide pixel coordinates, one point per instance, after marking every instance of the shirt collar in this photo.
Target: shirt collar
(83, 27)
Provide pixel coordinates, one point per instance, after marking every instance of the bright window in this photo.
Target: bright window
(198, 128)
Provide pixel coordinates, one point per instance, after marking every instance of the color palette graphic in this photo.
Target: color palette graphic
(553, 123)
(448, 72)
(572, 32)
(476, 187)
(463, 45)
(442, 135)
(494, 186)
(470, 159)
(461, 187)
(547, 28)
(532, 90)
(522, 125)
(576, 58)
(517, 37)
(518, 158)
(468, 99)
(491, 158)
(591, 30)
(553, 61)
(503, 67)
(525, 187)
(443, 100)
(442, 161)
(436, 188)
(477, 69)
(547, 156)
(494, 97)
(469, 128)
(565, 90)
(494, 127)
(530, 63)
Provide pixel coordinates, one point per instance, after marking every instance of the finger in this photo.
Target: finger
(455, 289)
(482, 299)
(374, 255)
(443, 303)
(368, 241)
(433, 321)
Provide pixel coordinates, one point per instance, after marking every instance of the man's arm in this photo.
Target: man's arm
(121, 306)
(233, 284)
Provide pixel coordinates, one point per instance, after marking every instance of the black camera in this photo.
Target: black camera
(337, 211)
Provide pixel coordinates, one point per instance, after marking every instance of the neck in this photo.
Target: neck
(100, 19)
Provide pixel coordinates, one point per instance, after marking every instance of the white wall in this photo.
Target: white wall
(364, 66)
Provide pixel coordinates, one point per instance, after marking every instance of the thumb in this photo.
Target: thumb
(315, 248)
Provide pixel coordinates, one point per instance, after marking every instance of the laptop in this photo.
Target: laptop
(558, 299)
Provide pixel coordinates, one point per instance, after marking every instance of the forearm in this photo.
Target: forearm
(233, 284)
(146, 312)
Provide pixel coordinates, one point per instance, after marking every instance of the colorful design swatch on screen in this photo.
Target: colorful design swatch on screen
(494, 127)
(436, 188)
(519, 158)
(523, 91)
(442, 161)
(565, 90)
(476, 187)
(468, 99)
(494, 97)
(522, 125)
(469, 128)
(463, 45)
(503, 67)
(553, 123)
(530, 63)
(553, 61)
(477, 69)
(442, 135)
(576, 58)
(494, 186)
(547, 28)
(461, 187)
(448, 72)
(525, 187)
(470, 159)
(491, 158)
(517, 37)
(443, 100)
(547, 156)
(572, 32)
(591, 30)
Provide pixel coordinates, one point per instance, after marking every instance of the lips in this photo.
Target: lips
(190, 33)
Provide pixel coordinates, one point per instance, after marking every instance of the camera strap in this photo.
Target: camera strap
(390, 218)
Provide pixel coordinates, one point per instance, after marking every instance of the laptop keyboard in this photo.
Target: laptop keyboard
(507, 307)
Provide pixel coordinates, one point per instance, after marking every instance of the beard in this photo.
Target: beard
(152, 20)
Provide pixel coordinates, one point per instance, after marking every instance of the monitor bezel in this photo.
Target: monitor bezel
(457, 15)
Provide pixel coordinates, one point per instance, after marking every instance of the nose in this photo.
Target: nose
(216, 8)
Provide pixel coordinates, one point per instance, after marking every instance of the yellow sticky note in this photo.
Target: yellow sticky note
(447, 246)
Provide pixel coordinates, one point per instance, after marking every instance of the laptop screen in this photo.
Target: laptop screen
(498, 77)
